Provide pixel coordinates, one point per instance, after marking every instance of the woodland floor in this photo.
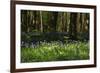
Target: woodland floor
(55, 51)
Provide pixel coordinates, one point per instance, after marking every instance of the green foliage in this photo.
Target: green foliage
(55, 51)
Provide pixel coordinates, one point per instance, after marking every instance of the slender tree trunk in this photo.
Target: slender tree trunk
(78, 22)
(28, 21)
(81, 22)
(41, 21)
(66, 22)
(35, 19)
(63, 22)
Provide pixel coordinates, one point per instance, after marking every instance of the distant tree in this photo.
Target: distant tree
(53, 21)
(73, 26)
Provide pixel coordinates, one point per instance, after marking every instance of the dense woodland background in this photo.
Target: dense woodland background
(73, 25)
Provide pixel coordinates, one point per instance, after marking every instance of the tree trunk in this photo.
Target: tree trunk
(41, 21)
(54, 21)
(73, 27)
